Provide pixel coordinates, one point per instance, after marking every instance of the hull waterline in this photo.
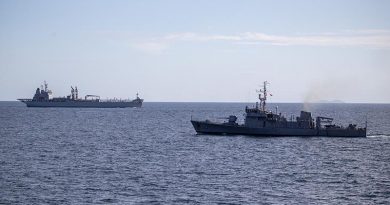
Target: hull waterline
(205, 127)
(84, 104)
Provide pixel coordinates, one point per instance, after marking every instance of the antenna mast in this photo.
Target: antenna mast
(72, 92)
(44, 82)
(77, 93)
(263, 98)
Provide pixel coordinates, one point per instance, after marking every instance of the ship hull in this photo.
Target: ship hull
(81, 104)
(204, 127)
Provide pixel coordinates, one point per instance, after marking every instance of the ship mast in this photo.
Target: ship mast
(77, 93)
(44, 82)
(72, 92)
(263, 96)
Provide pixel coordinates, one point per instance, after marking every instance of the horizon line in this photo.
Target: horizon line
(246, 102)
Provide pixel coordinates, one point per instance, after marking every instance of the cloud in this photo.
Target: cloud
(378, 39)
(347, 38)
(199, 37)
(151, 47)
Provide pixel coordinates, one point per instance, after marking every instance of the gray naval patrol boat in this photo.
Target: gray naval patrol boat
(42, 98)
(260, 122)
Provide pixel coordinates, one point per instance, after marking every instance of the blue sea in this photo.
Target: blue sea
(152, 155)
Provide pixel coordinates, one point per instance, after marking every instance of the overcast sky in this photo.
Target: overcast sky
(201, 51)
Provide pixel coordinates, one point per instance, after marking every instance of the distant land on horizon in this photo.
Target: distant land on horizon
(328, 101)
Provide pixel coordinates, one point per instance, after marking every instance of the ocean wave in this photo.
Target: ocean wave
(378, 135)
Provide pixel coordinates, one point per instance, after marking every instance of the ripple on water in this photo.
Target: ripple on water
(153, 156)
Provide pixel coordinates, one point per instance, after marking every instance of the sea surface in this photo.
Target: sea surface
(152, 155)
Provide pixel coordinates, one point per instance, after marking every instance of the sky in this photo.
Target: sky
(198, 51)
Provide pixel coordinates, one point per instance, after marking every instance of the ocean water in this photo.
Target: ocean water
(152, 155)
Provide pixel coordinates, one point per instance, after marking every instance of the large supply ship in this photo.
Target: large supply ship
(261, 122)
(42, 98)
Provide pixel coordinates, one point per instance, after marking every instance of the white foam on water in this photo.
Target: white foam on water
(378, 135)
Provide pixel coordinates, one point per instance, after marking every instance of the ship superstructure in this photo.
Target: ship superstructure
(260, 121)
(42, 98)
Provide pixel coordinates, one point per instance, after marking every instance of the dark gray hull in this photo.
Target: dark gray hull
(205, 127)
(81, 104)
